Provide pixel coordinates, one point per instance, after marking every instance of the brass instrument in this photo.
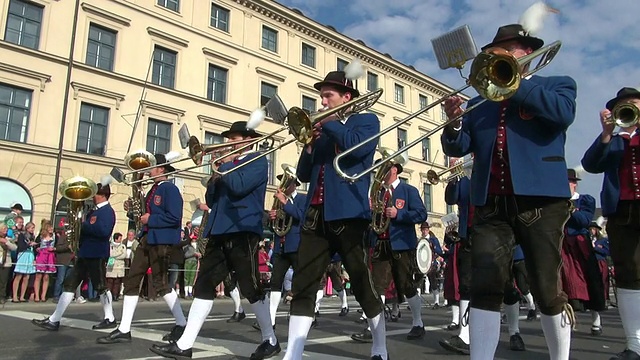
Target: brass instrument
(77, 190)
(624, 115)
(282, 223)
(495, 75)
(459, 170)
(379, 221)
(138, 161)
(202, 240)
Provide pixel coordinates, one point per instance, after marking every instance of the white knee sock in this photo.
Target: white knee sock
(530, 302)
(628, 301)
(106, 300)
(343, 297)
(416, 314)
(484, 329)
(235, 296)
(513, 317)
(464, 324)
(395, 309)
(274, 301)
(198, 313)
(129, 304)
(557, 332)
(595, 319)
(319, 297)
(379, 334)
(298, 329)
(63, 303)
(436, 297)
(173, 302)
(261, 309)
(188, 290)
(455, 314)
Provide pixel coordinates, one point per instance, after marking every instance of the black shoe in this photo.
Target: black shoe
(116, 336)
(364, 336)
(266, 350)
(360, 320)
(453, 327)
(503, 319)
(344, 311)
(171, 351)
(105, 324)
(626, 355)
(46, 324)
(455, 344)
(596, 330)
(175, 334)
(531, 315)
(417, 332)
(314, 323)
(378, 357)
(435, 307)
(317, 314)
(516, 343)
(237, 317)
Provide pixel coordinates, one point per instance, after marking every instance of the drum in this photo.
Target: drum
(424, 256)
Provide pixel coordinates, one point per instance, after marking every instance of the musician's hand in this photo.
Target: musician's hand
(452, 109)
(272, 214)
(145, 218)
(391, 212)
(203, 207)
(608, 124)
(281, 197)
(198, 255)
(127, 204)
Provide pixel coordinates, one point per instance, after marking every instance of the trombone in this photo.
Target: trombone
(624, 115)
(495, 75)
(458, 170)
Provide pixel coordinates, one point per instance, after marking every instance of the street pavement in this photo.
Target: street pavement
(220, 340)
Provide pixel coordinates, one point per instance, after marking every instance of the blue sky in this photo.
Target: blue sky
(600, 45)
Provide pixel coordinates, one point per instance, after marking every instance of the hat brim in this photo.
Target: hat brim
(339, 85)
(612, 103)
(574, 179)
(279, 177)
(245, 133)
(533, 42)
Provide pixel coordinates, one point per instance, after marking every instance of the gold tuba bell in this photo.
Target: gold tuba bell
(77, 190)
(137, 161)
(282, 223)
(380, 222)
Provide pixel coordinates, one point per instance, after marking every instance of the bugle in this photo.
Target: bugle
(624, 115)
(458, 170)
(495, 75)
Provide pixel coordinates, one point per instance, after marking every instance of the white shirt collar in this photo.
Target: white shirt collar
(293, 195)
(244, 154)
(575, 196)
(344, 121)
(98, 206)
(622, 132)
(395, 183)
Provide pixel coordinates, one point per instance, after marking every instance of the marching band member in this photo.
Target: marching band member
(601, 249)
(616, 155)
(91, 261)
(236, 201)
(162, 225)
(329, 225)
(333, 273)
(520, 194)
(519, 270)
(432, 276)
(394, 252)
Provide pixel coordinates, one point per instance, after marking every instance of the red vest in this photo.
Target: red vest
(630, 169)
(500, 178)
(318, 194)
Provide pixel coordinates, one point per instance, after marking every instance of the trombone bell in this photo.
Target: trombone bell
(626, 115)
(139, 159)
(78, 188)
(495, 74)
(433, 177)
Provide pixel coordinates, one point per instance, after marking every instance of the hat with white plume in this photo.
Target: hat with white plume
(165, 159)
(528, 25)
(343, 80)
(103, 186)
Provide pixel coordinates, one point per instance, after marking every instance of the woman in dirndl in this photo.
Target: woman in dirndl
(45, 261)
(25, 264)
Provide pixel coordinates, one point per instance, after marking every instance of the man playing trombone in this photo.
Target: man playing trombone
(617, 155)
(337, 216)
(236, 200)
(520, 194)
(161, 231)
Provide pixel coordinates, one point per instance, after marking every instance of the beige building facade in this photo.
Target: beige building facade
(81, 80)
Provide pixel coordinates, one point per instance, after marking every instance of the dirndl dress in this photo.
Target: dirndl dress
(25, 263)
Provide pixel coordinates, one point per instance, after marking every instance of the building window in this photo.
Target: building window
(12, 192)
(398, 94)
(158, 137)
(446, 160)
(372, 81)
(164, 67)
(101, 47)
(341, 64)
(271, 175)
(92, 130)
(443, 114)
(450, 210)
(266, 93)
(210, 139)
(23, 24)
(217, 84)
(309, 104)
(269, 39)
(219, 18)
(426, 149)
(402, 138)
(427, 196)
(423, 101)
(173, 5)
(15, 106)
(309, 55)
(403, 180)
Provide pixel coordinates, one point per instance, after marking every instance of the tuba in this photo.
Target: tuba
(77, 190)
(282, 223)
(380, 222)
(136, 161)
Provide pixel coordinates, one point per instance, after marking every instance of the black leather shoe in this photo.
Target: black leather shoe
(266, 350)
(171, 351)
(105, 324)
(314, 323)
(365, 336)
(46, 324)
(344, 311)
(596, 330)
(516, 343)
(175, 334)
(317, 314)
(531, 315)
(360, 320)
(116, 336)
(626, 355)
(378, 357)
(455, 344)
(417, 332)
(453, 327)
(237, 317)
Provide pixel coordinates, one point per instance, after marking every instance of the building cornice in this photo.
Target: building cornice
(220, 56)
(77, 87)
(43, 78)
(178, 113)
(168, 37)
(106, 14)
(307, 87)
(271, 74)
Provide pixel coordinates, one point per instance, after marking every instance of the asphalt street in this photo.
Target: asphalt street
(221, 341)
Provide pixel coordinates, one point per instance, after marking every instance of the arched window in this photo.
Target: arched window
(12, 192)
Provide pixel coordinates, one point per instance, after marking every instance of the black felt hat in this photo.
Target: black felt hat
(572, 175)
(240, 127)
(162, 159)
(339, 80)
(514, 32)
(279, 177)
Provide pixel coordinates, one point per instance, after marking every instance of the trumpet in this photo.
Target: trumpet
(282, 223)
(77, 190)
(495, 75)
(458, 170)
(624, 115)
(379, 221)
